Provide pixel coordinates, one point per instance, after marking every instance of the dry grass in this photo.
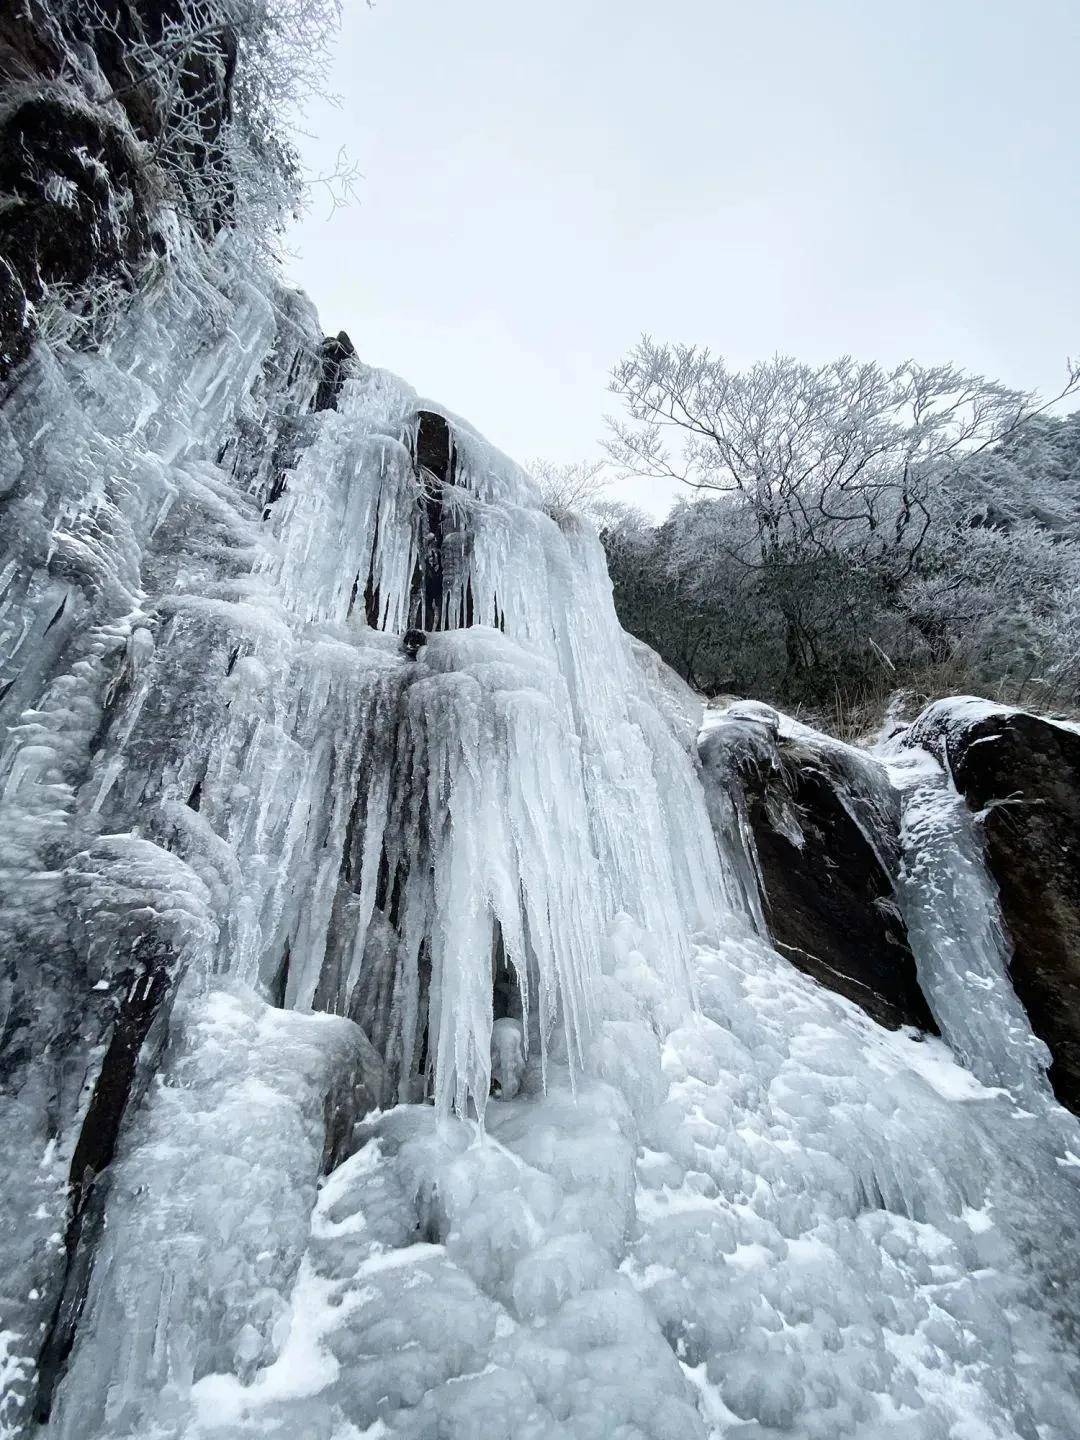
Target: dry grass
(860, 716)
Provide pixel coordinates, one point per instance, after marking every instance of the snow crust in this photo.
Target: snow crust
(709, 1198)
(956, 713)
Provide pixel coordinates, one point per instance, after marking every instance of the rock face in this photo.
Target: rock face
(90, 147)
(820, 824)
(1021, 774)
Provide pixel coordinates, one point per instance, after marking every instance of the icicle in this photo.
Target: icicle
(950, 906)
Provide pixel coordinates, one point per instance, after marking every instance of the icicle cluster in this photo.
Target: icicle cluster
(375, 832)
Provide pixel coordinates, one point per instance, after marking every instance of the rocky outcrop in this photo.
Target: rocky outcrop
(819, 825)
(1021, 774)
(334, 356)
(91, 148)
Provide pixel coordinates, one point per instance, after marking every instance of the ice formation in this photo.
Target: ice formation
(391, 1046)
(950, 907)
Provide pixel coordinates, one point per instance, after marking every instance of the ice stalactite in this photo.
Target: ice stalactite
(524, 718)
(261, 719)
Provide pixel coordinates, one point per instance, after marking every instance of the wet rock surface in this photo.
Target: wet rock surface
(823, 824)
(1021, 774)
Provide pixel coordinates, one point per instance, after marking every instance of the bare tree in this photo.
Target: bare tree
(835, 458)
(850, 497)
(569, 489)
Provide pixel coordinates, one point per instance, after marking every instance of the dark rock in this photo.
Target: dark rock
(129, 39)
(85, 140)
(821, 825)
(435, 469)
(80, 204)
(1021, 774)
(412, 642)
(144, 991)
(334, 354)
(434, 446)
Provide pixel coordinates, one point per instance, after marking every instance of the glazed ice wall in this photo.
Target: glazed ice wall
(111, 503)
(220, 760)
(236, 708)
(525, 787)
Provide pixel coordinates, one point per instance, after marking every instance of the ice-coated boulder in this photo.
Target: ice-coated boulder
(1020, 773)
(819, 824)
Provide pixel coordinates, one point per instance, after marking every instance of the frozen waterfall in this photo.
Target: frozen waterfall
(328, 774)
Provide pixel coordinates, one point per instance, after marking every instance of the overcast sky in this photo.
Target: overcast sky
(544, 181)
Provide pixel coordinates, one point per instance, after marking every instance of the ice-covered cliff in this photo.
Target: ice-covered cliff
(390, 1045)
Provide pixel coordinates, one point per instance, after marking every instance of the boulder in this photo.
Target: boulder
(818, 823)
(1020, 773)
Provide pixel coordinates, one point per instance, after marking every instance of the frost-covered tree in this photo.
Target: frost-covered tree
(875, 524)
(838, 456)
(569, 488)
(129, 128)
(1000, 574)
(214, 87)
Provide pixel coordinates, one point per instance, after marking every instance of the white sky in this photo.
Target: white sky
(886, 178)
